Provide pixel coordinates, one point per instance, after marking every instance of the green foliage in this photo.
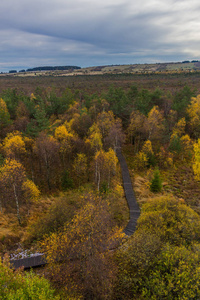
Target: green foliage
(20, 286)
(182, 100)
(119, 102)
(1, 160)
(172, 220)
(143, 102)
(60, 212)
(175, 274)
(58, 105)
(104, 188)
(11, 98)
(148, 151)
(41, 119)
(161, 260)
(156, 183)
(134, 260)
(66, 181)
(156, 97)
(175, 144)
(133, 92)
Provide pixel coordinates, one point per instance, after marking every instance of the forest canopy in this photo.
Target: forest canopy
(62, 190)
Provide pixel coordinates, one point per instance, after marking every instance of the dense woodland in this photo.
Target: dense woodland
(61, 187)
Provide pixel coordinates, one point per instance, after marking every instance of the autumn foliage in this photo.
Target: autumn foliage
(61, 186)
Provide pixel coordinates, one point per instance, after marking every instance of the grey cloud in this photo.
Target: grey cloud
(95, 32)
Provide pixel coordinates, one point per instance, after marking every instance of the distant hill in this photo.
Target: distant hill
(184, 66)
(170, 67)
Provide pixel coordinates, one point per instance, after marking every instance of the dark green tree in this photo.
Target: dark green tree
(182, 100)
(156, 183)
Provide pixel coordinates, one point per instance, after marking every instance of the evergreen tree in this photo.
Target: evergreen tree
(156, 183)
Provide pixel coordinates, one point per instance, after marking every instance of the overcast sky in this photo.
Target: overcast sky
(97, 32)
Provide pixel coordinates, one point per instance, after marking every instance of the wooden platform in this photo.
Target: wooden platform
(29, 262)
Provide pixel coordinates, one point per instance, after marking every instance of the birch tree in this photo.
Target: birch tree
(15, 187)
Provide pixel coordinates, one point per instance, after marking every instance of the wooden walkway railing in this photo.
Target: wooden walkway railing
(39, 260)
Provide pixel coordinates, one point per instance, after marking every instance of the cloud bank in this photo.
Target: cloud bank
(91, 32)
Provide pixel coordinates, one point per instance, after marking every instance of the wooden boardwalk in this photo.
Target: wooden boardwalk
(129, 193)
(28, 262)
(39, 260)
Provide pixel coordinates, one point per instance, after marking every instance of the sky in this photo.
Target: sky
(97, 32)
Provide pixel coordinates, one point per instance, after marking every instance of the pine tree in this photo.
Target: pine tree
(156, 183)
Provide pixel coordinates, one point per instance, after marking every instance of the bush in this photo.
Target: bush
(58, 214)
(175, 275)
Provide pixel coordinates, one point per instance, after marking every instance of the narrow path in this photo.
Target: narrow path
(134, 210)
(134, 213)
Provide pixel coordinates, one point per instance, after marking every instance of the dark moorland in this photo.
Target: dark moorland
(98, 83)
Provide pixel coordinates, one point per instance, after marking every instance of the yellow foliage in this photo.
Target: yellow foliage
(194, 112)
(119, 189)
(154, 123)
(61, 133)
(4, 114)
(29, 143)
(73, 108)
(136, 125)
(179, 128)
(32, 96)
(82, 247)
(95, 137)
(105, 120)
(3, 106)
(187, 145)
(147, 148)
(136, 121)
(196, 164)
(13, 144)
(11, 169)
(141, 160)
(105, 166)
(165, 158)
(111, 160)
(30, 190)
(80, 165)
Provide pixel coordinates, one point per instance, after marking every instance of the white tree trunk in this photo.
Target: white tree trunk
(17, 204)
